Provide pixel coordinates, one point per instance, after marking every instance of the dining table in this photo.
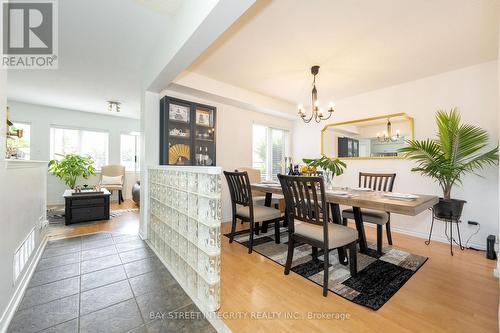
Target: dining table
(359, 199)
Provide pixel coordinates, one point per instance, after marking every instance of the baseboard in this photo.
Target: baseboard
(19, 292)
(440, 239)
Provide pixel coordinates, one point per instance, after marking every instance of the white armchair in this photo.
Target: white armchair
(113, 178)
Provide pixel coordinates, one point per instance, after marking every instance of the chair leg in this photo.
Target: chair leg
(120, 197)
(277, 231)
(289, 255)
(353, 260)
(256, 228)
(388, 231)
(379, 239)
(233, 229)
(314, 254)
(250, 245)
(325, 273)
(344, 221)
(342, 257)
(265, 225)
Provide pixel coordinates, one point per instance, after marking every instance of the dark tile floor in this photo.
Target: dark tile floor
(104, 283)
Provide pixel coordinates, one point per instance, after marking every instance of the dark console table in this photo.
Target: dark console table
(82, 207)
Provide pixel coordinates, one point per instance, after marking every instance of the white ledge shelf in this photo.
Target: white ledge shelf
(24, 164)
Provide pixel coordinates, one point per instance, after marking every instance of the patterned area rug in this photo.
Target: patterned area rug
(379, 278)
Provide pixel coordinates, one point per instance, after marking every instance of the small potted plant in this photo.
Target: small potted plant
(458, 149)
(331, 167)
(72, 167)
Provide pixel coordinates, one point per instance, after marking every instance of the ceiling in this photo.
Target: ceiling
(361, 45)
(103, 47)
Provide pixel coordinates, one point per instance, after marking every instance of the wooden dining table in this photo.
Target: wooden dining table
(358, 200)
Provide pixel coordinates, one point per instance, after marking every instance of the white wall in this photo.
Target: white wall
(234, 137)
(42, 118)
(22, 207)
(475, 91)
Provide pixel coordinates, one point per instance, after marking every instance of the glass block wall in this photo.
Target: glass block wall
(184, 227)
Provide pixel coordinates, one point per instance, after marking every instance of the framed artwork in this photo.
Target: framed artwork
(203, 117)
(179, 113)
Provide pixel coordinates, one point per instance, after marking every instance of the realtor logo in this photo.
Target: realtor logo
(29, 34)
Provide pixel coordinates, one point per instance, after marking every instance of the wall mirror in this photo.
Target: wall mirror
(377, 137)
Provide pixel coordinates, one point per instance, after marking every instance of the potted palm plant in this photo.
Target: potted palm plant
(458, 149)
(72, 167)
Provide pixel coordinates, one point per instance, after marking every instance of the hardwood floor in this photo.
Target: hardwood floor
(448, 294)
(126, 223)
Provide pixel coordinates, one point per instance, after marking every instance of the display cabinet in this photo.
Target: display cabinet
(187, 133)
(184, 219)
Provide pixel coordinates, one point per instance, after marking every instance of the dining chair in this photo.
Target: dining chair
(112, 178)
(259, 198)
(307, 213)
(243, 207)
(378, 182)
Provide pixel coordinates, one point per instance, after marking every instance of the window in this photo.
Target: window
(65, 141)
(20, 147)
(129, 151)
(270, 146)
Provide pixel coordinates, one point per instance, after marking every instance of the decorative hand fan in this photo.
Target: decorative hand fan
(178, 154)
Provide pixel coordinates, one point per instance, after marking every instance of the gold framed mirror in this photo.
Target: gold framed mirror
(370, 138)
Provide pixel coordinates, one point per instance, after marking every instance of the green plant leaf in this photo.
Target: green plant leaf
(72, 167)
(336, 166)
(457, 150)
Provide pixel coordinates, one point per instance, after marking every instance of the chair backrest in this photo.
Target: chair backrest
(239, 188)
(255, 177)
(305, 200)
(377, 181)
(113, 171)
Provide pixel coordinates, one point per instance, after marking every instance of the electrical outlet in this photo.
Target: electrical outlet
(472, 223)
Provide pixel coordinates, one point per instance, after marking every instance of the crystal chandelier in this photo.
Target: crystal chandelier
(317, 112)
(387, 136)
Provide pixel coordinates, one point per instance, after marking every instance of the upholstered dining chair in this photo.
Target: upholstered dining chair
(308, 223)
(243, 207)
(113, 178)
(377, 182)
(259, 198)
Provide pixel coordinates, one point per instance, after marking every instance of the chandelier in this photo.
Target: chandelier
(317, 112)
(387, 136)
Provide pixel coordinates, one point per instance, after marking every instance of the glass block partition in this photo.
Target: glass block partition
(184, 227)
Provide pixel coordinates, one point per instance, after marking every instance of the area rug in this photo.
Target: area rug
(379, 277)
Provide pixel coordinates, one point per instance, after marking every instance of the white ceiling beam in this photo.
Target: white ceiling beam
(204, 87)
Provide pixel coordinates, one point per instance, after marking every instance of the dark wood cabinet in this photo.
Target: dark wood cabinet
(187, 133)
(348, 147)
(86, 207)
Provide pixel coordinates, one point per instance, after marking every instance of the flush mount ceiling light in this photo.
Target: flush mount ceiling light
(317, 112)
(387, 135)
(114, 106)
